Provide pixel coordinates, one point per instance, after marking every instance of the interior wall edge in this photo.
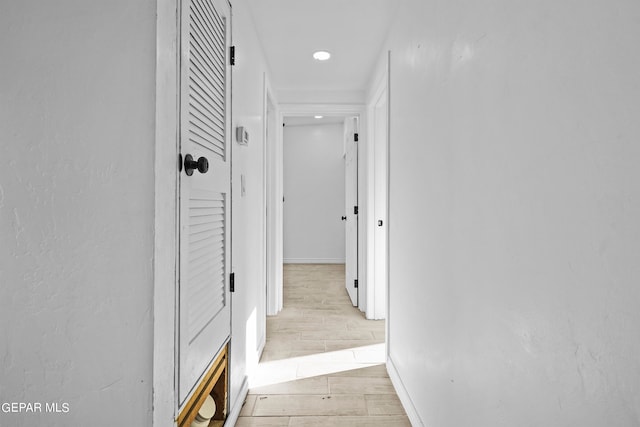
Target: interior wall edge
(403, 394)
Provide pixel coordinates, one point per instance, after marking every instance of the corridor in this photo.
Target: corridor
(323, 363)
(142, 213)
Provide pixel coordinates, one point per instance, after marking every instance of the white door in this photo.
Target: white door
(205, 193)
(351, 203)
(380, 144)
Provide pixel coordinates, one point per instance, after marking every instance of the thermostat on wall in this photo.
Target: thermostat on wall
(242, 136)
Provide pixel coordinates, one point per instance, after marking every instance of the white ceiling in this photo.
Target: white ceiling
(352, 30)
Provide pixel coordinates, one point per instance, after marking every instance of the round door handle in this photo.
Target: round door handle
(379, 223)
(202, 164)
(344, 218)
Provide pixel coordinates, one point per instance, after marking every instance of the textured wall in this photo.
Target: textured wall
(77, 90)
(515, 198)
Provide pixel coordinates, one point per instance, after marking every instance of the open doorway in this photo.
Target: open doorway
(298, 114)
(314, 190)
(320, 184)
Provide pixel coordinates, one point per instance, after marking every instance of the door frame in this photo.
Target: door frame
(166, 210)
(328, 110)
(272, 203)
(377, 292)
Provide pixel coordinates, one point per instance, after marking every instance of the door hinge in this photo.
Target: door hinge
(232, 55)
(355, 137)
(355, 283)
(232, 282)
(355, 210)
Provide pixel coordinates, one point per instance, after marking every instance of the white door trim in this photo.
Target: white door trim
(165, 397)
(330, 110)
(273, 201)
(375, 293)
(379, 89)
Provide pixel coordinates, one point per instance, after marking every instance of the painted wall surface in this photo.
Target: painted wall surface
(77, 99)
(314, 194)
(248, 327)
(292, 96)
(514, 206)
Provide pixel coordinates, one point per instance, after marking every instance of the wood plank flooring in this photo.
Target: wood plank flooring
(323, 364)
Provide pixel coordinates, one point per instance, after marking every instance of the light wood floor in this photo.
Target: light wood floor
(323, 364)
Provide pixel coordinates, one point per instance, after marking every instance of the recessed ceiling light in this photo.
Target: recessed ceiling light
(317, 117)
(321, 55)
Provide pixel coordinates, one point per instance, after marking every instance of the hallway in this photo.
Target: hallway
(323, 363)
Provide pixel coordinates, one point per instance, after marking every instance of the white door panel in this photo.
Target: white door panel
(351, 201)
(204, 303)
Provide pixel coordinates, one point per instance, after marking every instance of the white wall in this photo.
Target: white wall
(315, 96)
(514, 206)
(77, 88)
(314, 194)
(248, 257)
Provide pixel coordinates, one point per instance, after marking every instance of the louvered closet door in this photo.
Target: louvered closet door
(205, 200)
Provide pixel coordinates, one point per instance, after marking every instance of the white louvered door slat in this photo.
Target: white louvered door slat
(204, 197)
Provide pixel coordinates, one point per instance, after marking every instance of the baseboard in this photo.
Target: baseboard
(403, 395)
(313, 261)
(263, 342)
(234, 413)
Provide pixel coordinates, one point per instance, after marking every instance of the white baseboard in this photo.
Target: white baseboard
(403, 395)
(234, 413)
(263, 342)
(313, 261)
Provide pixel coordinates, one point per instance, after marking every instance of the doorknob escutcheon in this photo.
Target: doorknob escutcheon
(202, 164)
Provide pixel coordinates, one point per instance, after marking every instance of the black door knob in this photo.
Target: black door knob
(202, 164)
(344, 218)
(379, 223)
